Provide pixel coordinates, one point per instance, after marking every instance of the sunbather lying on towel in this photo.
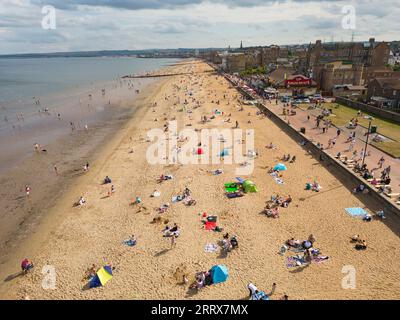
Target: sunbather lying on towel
(361, 245)
(285, 203)
(236, 194)
(293, 243)
(189, 201)
(272, 213)
(164, 178)
(163, 208)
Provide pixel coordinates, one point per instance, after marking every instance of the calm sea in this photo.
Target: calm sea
(26, 78)
(70, 89)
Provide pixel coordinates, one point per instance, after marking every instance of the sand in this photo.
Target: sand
(75, 238)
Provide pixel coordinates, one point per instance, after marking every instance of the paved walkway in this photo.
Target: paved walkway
(300, 120)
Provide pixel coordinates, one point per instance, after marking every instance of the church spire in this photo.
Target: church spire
(241, 44)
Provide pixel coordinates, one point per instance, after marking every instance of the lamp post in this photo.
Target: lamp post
(366, 140)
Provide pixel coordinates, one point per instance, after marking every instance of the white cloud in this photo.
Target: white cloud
(139, 24)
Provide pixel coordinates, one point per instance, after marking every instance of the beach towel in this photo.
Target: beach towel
(177, 198)
(259, 296)
(295, 262)
(210, 225)
(231, 187)
(210, 247)
(356, 212)
(278, 180)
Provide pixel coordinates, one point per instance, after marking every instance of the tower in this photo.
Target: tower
(241, 45)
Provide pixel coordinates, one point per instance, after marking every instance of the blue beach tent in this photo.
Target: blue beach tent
(224, 153)
(280, 167)
(219, 274)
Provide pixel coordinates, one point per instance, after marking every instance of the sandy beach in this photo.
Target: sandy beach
(73, 238)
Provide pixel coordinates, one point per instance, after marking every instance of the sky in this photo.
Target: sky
(86, 25)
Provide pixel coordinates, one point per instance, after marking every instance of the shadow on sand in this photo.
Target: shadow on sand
(14, 276)
(158, 254)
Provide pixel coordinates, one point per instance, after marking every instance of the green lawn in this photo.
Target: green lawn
(343, 114)
(392, 148)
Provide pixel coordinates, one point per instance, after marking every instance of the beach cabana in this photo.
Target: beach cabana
(103, 275)
(249, 186)
(280, 167)
(219, 274)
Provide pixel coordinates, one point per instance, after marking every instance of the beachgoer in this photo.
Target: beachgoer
(26, 265)
(27, 190)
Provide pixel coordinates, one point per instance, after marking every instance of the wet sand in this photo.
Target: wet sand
(75, 238)
(68, 150)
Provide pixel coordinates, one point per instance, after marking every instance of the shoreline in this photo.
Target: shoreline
(72, 150)
(94, 232)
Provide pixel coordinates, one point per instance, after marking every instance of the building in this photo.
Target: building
(371, 73)
(349, 91)
(337, 73)
(233, 62)
(298, 85)
(271, 54)
(279, 75)
(289, 83)
(369, 54)
(384, 93)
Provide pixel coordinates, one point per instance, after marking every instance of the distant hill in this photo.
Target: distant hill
(150, 53)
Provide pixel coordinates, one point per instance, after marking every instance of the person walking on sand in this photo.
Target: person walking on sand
(173, 240)
(27, 190)
(380, 162)
(112, 191)
(56, 169)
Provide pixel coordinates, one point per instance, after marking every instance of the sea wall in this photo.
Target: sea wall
(385, 114)
(343, 173)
